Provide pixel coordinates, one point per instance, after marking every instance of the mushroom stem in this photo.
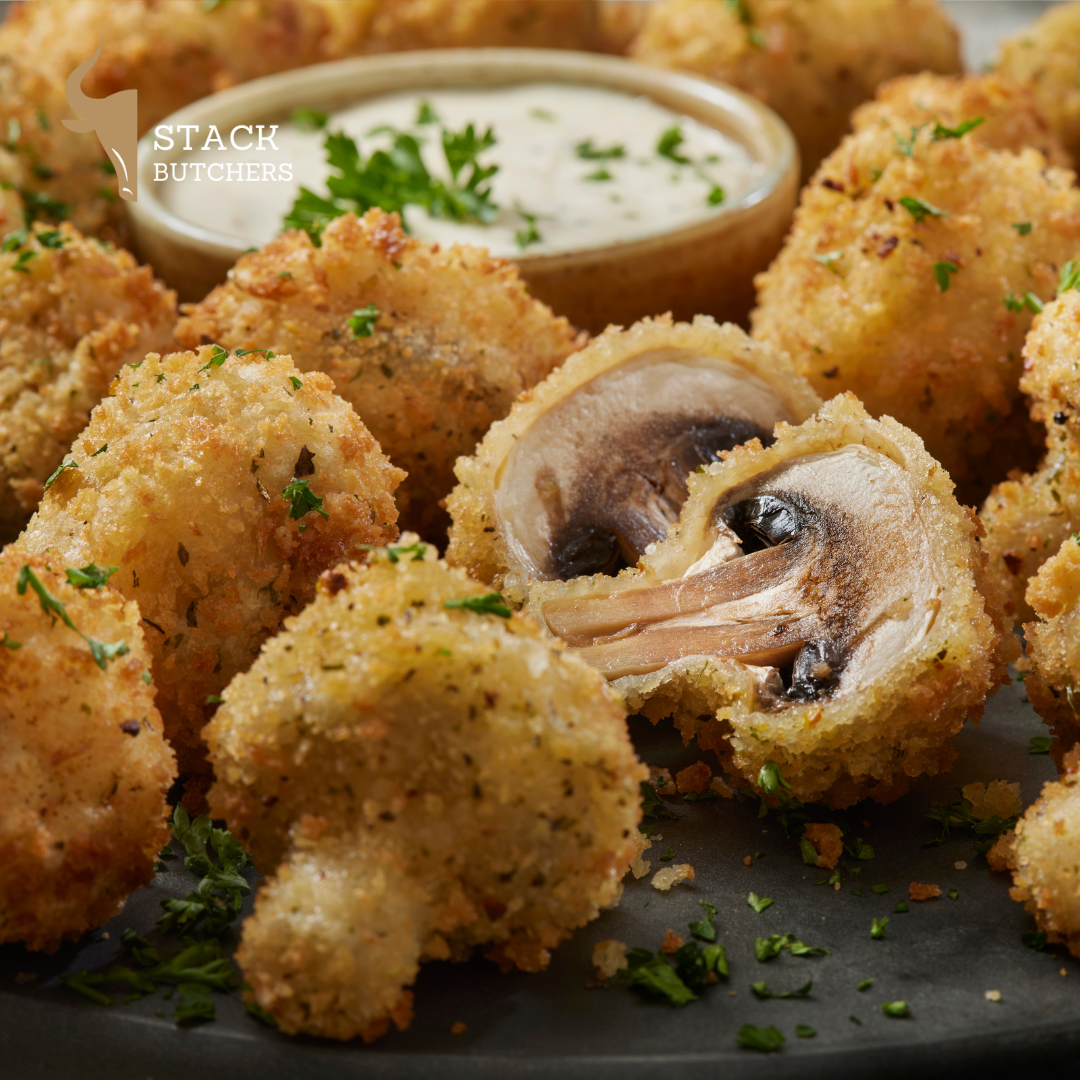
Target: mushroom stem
(580, 620)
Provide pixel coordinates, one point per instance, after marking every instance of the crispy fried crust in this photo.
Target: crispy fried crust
(812, 61)
(476, 541)
(1053, 646)
(1029, 516)
(437, 779)
(84, 768)
(187, 502)
(1044, 55)
(1046, 870)
(868, 742)
(875, 319)
(72, 314)
(1010, 118)
(458, 337)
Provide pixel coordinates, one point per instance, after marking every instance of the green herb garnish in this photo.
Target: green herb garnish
(488, 604)
(1070, 276)
(759, 903)
(598, 176)
(942, 270)
(217, 358)
(309, 119)
(301, 499)
(765, 1039)
(362, 321)
(668, 145)
(89, 576)
(941, 132)
(705, 928)
(762, 991)
(901, 908)
(1022, 227)
(920, 209)
(1040, 744)
(22, 260)
(864, 985)
(907, 146)
(53, 239)
(588, 152)
(102, 651)
(877, 928)
(1028, 300)
(768, 947)
(896, 1008)
(805, 1031)
(296, 383)
(64, 466)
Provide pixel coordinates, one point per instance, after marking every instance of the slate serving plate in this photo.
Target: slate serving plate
(941, 958)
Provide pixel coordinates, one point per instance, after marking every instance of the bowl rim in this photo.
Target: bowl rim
(437, 68)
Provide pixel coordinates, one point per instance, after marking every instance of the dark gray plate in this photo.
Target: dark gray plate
(941, 958)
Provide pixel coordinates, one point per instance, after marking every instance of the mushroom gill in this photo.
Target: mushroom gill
(590, 467)
(818, 605)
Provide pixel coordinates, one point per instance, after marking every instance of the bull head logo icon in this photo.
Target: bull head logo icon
(116, 121)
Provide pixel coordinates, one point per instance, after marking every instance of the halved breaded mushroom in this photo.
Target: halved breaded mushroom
(818, 606)
(590, 466)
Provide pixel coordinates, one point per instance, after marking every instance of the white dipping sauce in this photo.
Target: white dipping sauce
(537, 128)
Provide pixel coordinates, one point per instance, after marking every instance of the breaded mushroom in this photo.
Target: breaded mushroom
(1046, 858)
(812, 61)
(998, 112)
(72, 312)
(1028, 517)
(429, 345)
(823, 604)
(433, 774)
(910, 278)
(590, 466)
(1053, 646)
(220, 486)
(1045, 55)
(84, 767)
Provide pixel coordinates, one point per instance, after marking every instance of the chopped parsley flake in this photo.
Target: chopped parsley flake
(668, 144)
(598, 176)
(941, 132)
(252, 352)
(68, 464)
(9, 644)
(543, 114)
(705, 928)
(805, 1031)
(920, 209)
(22, 260)
(425, 114)
(488, 604)
(668, 855)
(768, 947)
(942, 270)
(296, 383)
(859, 850)
(214, 699)
(531, 235)
(771, 779)
(907, 146)
(759, 903)
(417, 551)
(301, 499)
(829, 259)
(653, 808)
(765, 1039)
(1070, 276)
(51, 238)
(363, 320)
(958, 814)
(1022, 227)
(1040, 744)
(762, 991)
(102, 651)
(896, 1008)
(217, 358)
(89, 576)
(953, 894)
(864, 985)
(901, 908)
(588, 152)
(309, 119)
(879, 889)
(877, 928)
(1034, 939)
(1029, 300)
(101, 450)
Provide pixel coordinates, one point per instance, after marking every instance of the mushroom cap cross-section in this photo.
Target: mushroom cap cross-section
(818, 606)
(590, 467)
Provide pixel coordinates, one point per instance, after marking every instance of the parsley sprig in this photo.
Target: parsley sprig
(488, 604)
(102, 651)
(396, 178)
(89, 576)
(301, 499)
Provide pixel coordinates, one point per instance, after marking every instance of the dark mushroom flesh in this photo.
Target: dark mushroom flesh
(602, 474)
(816, 572)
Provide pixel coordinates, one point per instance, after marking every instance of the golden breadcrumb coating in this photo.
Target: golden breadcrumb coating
(448, 24)
(1027, 517)
(812, 61)
(1046, 866)
(904, 303)
(72, 313)
(430, 778)
(481, 540)
(457, 338)
(1044, 55)
(84, 767)
(878, 580)
(179, 483)
(1007, 113)
(1053, 646)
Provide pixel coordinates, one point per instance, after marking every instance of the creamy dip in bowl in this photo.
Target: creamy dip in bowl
(620, 190)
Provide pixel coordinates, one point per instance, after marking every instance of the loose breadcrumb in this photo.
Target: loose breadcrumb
(609, 957)
(923, 892)
(718, 785)
(694, 778)
(992, 995)
(672, 943)
(996, 799)
(671, 876)
(828, 843)
(459, 1028)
